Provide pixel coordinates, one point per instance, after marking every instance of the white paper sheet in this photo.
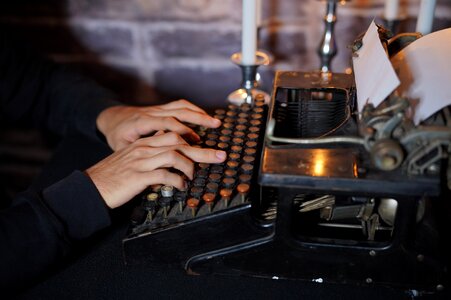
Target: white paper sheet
(374, 74)
(424, 68)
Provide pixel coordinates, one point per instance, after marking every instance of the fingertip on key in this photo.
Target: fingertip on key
(222, 155)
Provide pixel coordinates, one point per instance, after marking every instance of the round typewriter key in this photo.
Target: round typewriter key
(226, 132)
(257, 116)
(237, 141)
(225, 195)
(200, 182)
(192, 204)
(232, 164)
(212, 136)
(252, 136)
(232, 107)
(209, 198)
(210, 143)
(245, 107)
(230, 173)
(254, 129)
(196, 191)
(245, 178)
(229, 120)
(248, 159)
(240, 127)
(215, 177)
(202, 173)
(234, 156)
(258, 110)
(180, 198)
(231, 113)
(223, 146)
(220, 111)
(251, 144)
(239, 134)
(152, 197)
(219, 117)
(224, 139)
(250, 151)
(243, 115)
(212, 187)
(167, 191)
(256, 122)
(243, 189)
(216, 169)
(236, 148)
(165, 203)
(228, 125)
(247, 168)
(204, 166)
(228, 182)
(241, 121)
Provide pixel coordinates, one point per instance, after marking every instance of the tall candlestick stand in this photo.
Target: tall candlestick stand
(249, 84)
(328, 48)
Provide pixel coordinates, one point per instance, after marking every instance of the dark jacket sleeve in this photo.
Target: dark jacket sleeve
(39, 229)
(37, 92)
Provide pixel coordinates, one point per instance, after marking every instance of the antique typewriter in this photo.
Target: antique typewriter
(309, 192)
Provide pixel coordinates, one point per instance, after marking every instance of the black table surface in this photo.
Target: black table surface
(97, 271)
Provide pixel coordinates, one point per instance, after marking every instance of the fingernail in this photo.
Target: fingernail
(221, 155)
(216, 122)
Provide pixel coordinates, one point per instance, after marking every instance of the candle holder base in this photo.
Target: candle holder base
(250, 81)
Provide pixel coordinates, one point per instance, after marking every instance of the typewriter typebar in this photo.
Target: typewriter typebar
(331, 215)
(215, 212)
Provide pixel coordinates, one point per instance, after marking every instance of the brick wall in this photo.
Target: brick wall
(150, 51)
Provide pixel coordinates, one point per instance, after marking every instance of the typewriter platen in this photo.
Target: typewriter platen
(316, 195)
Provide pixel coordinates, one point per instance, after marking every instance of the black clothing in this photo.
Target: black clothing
(39, 228)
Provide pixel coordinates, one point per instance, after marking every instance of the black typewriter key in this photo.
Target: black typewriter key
(239, 134)
(252, 136)
(243, 115)
(231, 114)
(240, 127)
(254, 129)
(250, 151)
(237, 141)
(165, 202)
(138, 215)
(210, 143)
(234, 156)
(232, 107)
(232, 164)
(251, 144)
(241, 121)
(196, 191)
(212, 136)
(212, 187)
(223, 146)
(200, 182)
(228, 182)
(225, 196)
(216, 169)
(229, 120)
(215, 177)
(226, 132)
(236, 149)
(220, 111)
(248, 159)
(256, 122)
(180, 198)
(209, 199)
(247, 168)
(202, 173)
(245, 178)
(193, 203)
(230, 173)
(224, 139)
(228, 125)
(204, 166)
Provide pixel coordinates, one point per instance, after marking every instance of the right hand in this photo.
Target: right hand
(127, 172)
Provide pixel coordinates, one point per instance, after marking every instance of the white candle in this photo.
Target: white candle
(249, 33)
(391, 10)
(426, 16)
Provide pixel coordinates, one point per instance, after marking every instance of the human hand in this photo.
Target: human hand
(127, 172)
(122, 125)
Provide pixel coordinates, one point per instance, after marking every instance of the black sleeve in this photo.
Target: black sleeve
(37, 92)
(39, 229)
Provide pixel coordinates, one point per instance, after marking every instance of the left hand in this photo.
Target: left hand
(122, 125)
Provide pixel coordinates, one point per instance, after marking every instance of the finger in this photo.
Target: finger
(181, 104)
(146, 125)
(159, 132)
(186, 115)
(167, 159)
(202, 155)
(163, 140)
(163, 176)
